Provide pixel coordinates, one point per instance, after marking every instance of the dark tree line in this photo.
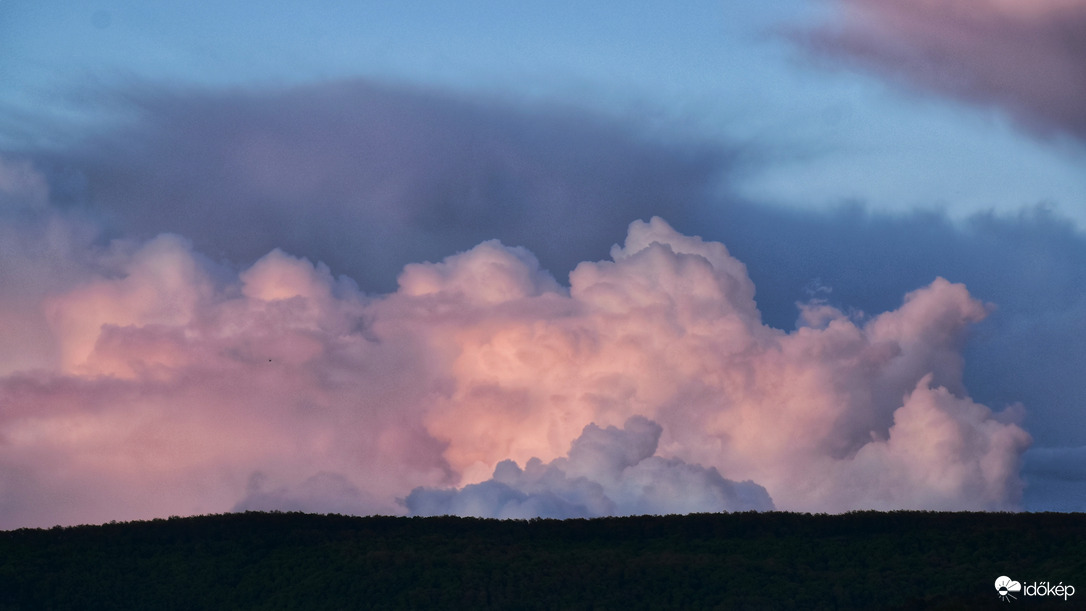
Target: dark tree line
(861, 560)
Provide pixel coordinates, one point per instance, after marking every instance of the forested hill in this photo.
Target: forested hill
(255, 560)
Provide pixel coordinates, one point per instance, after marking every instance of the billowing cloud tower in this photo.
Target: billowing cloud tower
(141, 379)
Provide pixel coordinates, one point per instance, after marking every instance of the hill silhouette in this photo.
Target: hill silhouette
(254, 560)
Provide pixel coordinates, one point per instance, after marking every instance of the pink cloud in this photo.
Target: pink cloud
(1025, 57)
(181, 387)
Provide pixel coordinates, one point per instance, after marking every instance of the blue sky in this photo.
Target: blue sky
(713, 70)
(174, 176)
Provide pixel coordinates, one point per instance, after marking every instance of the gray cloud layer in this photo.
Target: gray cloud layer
(367, 178)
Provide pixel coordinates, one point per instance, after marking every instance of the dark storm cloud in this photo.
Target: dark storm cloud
(367, 178)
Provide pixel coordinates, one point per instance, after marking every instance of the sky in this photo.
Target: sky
(541, 259)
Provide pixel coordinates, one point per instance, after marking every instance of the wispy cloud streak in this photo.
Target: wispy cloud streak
(1022, 56)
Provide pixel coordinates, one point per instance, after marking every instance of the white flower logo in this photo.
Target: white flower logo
(1005, 585)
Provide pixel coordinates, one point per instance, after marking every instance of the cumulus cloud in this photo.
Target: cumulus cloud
(1031, 264)
(174, 384)
(1024, 56)
(41, 250)
(608, 472)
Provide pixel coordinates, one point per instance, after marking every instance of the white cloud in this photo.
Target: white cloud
(607, 472)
